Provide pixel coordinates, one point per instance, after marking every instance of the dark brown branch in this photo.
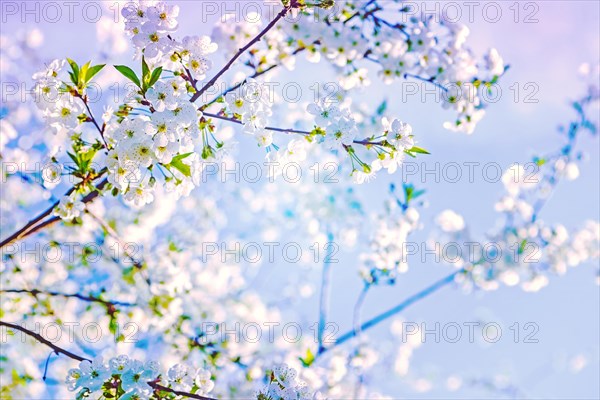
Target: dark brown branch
(155, 385)
(284, 130)
(41, 339)
(31, 226)
(162, 388)
(90, 298)
(241, 51)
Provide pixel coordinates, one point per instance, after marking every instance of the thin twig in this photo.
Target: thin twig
(358, 309)
(284, 130)
(93, 119)
(395, 310)
(31, 226)
(41, 339)
(325, 293)
(241, 51)
(90, 298)
(155, 385)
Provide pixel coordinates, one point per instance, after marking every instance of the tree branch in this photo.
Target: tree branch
(59, 350)
(324, 298)
(395, 310)
(283, 130)
(41, 339)
(90, 298)
(31, 226)
(241, 51)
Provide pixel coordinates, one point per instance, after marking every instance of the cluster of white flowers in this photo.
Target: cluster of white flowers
(339, 125)
(399, 135)
(61, 111)
(251, 104)
(430, 49)
(529, 253)
(284, 385)
(130, 379)
(151, 27)
(388, 251)
(526, 248)
(165, 140)
(337, 129)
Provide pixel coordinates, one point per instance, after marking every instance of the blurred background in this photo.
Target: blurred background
(544, 44)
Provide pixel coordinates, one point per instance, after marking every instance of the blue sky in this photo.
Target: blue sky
(546, 54)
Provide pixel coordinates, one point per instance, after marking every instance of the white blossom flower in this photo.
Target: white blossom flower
(324, 115)
(137, 376)
(94, 374)
(340, 133)
(162, 96)
(141, 192)
(203, 381)
(69, 207)
(450, 221)
(180, 377)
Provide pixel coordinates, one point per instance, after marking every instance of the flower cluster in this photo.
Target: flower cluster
(163, 141)
(526, 248)
(425, 48)
(150, 27)
(388, 251)
(252, 106)
(337, 129)
(130, 379)
(284, 385)
(61, 112)
(233, 36)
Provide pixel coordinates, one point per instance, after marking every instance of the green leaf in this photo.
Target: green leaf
(83, 72)
(416, 149)
(129, 74)
(155, 76)
(93, 71)
(382, 107)
(308, 359)
(75, 69)
(410, 154)
(74, 158)
(410, 193)
(180, 166)
(417, 193)
(145, 70)
(73, 78)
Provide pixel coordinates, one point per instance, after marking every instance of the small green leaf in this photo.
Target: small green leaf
(408, 192)
(155, 76)
(180, 166)
(145, 70)
(93, 71)
(129, 74)
(416, 149)
(83, 72)
(308, 359)
(382, 107)
(417, 193)
(73, 78)
(73, 157)
(75, 68)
